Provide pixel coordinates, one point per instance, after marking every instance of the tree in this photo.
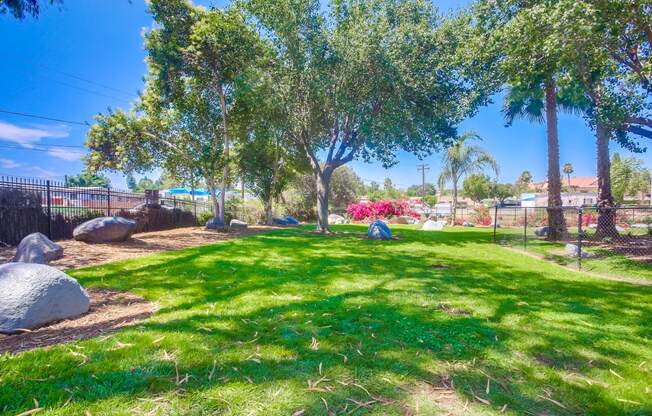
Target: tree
(391, 192)
(346, 187)
(88, 179)
(21, 8)
(417, 190)
(460, 160)
(628, 177)
(568, 170)
(131, 182)
(477, 187)
(501, 191)
(363, 79)
(523, 182)
(196, 59)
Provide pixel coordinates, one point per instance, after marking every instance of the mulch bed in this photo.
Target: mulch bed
(110, 310)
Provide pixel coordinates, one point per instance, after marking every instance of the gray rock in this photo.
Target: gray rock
(541, 232)
(496, 225)
(336, 219)
(290, 220)
(37, 248)
(406, 219)
(32, 295)
(378, 230)
(104, 230)
(431, 225)
(279, 221)
(572, 250)
(215, 224)
(644, 226)
(620, 229)
(238, 224)
(467, 224)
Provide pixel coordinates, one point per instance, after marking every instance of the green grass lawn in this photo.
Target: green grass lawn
(606, 262)
(290, 321)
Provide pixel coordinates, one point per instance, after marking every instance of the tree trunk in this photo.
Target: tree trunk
(269, 213)
(556, 221)
(454, 205)
(225, 169)
(606, 212)
(323, 189)
(212, 189)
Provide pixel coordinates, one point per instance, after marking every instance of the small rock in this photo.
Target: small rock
(467, 224)
(290, 220)
(104, 230)
(406, 219)
(644, 226)
(572, 250)
(541, 232)
(431, 225)
(336, 219)
(279, 221)
(37, 248)
(378, 230)
(32, 295)
(215, 224)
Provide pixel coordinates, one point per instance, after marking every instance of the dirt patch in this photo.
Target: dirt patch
(439, 393)
(109, 311)
(451, 310)
(80, 254)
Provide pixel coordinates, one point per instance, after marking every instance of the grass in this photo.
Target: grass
(606, 262)
(290, 321)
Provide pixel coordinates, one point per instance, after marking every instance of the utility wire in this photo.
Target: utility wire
(86, 90)
(16, 113)
(77, 77)
(37, 149)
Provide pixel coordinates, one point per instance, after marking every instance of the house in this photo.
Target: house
(574, 184)
(568, 199)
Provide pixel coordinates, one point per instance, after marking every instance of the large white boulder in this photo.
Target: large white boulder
(431, 225)
(104, 230)
(237, 224)
(336, 219)
(32, 295)
(37, 248)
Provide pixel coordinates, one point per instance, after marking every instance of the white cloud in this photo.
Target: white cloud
(9, 164)
(65, 154)
(27, 137)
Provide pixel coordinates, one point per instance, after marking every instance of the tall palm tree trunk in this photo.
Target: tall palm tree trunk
(556, 221)
(606, 212)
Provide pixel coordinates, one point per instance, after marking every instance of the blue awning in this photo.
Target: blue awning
(186, 191)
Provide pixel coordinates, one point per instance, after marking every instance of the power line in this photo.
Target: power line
(40, 149)
(86, 90)
(16, 113)
(77, 77)
(423, 168)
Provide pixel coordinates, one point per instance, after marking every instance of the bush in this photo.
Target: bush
(481, 215)
(379, 209)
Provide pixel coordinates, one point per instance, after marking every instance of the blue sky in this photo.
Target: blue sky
(78, 60)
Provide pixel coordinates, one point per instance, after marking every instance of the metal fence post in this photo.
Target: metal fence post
(108, 201)
(49, 205)
(495, 220)
(525, 230)
(579, 239)
(174, 201)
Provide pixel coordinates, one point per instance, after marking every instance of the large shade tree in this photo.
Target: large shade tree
(363, 79)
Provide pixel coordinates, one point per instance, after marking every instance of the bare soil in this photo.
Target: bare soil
(79, 254)
(109, 311)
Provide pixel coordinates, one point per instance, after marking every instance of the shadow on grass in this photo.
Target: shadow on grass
(272, 309)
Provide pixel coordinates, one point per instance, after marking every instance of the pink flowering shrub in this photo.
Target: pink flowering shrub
(379, 209)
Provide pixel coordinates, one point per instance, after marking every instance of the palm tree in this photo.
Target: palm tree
(461, 160)
(539, 103)
(568, 170)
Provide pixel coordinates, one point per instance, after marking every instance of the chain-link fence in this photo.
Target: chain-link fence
(587, 234)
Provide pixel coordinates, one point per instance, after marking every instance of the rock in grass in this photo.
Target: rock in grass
(33, 295)
(237, 224)
(336, 219)
(541, 232)
(572, 250)
(104, 230)
(406, 219)
(37, 248)
(378, 230)
(467, 224)
(431, 225)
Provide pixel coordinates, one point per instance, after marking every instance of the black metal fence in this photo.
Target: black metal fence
(29, 205)
(623, 234)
